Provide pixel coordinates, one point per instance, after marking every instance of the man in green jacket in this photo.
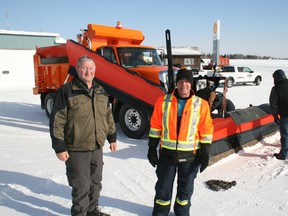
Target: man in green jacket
(80, 123)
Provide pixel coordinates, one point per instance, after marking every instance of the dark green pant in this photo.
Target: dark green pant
(84, 174)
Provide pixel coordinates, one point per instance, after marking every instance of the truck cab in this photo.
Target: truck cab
(143, 60)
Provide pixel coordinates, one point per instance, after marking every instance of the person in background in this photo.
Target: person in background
(138, 60)
(279, 108)
(80, 123)
(218, 105)
(215, 101)
(208, 94)
(182, 123)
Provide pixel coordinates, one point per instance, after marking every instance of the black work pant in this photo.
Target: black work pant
(84, 174)
(166, 171)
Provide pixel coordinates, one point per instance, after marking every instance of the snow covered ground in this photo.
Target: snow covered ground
(33, 180)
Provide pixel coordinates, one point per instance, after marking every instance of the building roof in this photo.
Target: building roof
(13, 32)
(183, 50)
(10, 39)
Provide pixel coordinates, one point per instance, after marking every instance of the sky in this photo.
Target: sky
(33, 180)
(246, 27)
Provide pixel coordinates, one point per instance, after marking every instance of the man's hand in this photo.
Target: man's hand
(204, 161)
(152, 156)
(63, 156)
(113, 146)
(204, 156)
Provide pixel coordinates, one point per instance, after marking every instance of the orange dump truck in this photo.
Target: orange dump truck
(135, 88)
(133, 85)
(123, 46)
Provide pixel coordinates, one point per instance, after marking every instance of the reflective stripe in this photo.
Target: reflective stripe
(162, 202)
(206, 138)
(181, 202)
(156, 133)
(184, 146)
(193, 119)
(166, 113)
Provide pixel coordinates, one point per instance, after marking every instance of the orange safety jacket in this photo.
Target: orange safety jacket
(196, 123)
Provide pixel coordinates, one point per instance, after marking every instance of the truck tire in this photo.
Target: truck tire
(201, 85)
(134, 122)
(49, 102)
(257, 81)
(229, 82)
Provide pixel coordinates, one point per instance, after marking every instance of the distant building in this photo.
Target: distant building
(16, 53)
(188, 57)
(23, 40)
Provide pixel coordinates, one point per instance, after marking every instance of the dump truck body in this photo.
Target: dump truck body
(118, 47)
(133, 95)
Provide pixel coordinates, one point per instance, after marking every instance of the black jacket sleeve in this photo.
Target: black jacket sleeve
(273, 101)
(58, 120)
(153, 142)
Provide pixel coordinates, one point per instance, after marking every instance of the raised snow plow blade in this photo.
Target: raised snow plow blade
(118, 82)
(243, 127)
(132, 95)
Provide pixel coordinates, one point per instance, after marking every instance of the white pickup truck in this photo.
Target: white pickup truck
(237, 75)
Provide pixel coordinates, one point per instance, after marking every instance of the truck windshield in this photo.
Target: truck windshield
(135, 57)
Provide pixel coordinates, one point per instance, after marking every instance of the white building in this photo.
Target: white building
(16, 53)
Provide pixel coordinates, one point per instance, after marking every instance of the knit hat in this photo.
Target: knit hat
(278, 75)
(185, 74)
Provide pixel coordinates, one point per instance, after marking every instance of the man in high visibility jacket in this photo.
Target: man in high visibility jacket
(182, 124)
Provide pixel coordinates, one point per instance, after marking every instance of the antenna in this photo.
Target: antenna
(170, 65)
(7, 20)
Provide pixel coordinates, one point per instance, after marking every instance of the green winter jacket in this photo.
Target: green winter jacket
(81, 118)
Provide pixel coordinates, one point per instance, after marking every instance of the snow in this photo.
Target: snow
(33, 180)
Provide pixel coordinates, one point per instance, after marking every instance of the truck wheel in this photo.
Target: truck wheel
(201, 85)
(49, 101)
(257, 81)
(229, 82)
(134, 122)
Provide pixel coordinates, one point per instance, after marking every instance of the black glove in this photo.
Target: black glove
(152, 151)
(204, 156)
(152, 156)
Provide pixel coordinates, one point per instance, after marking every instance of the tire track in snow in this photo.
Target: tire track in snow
(255, 200)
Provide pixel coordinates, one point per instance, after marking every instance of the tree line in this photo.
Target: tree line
(241, 56)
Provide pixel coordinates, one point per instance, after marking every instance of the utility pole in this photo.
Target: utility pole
(7, 20)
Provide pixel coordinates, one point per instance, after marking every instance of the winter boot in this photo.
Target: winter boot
(279, 156)
(97, 212)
